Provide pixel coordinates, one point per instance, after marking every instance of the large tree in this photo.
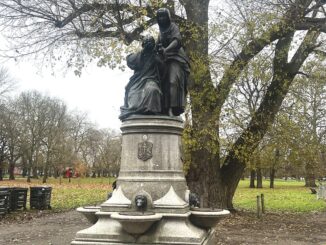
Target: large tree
(7, 84)
(88, 27)
(55, 131)
(33, 111)
(3, 143)
(12, 129)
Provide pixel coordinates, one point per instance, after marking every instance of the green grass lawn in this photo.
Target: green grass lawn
(287, 196)
(79, 192)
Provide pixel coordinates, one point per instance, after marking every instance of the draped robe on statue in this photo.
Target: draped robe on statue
(174, 85)
(143, 94)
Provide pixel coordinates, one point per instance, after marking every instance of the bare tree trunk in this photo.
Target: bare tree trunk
(35, 174)
(272, 170)
(310, 178)
(29, 169)
(50, 172)
(24, 166)
(231, 174)
(252, 178)
(259, 178)
(12, 170)
(46, 168)
(310, 181)
(45, 174)
(2, 158)
(205, 182)
(1, 172)
(272, 177)
(56, 173)
(25, 171)
(204, 175)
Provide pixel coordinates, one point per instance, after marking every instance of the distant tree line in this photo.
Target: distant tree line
(40, 137)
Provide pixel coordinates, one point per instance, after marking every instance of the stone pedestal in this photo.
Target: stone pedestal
(151, 166)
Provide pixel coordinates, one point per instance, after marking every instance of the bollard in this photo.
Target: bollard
(259, 207)
(262, 203)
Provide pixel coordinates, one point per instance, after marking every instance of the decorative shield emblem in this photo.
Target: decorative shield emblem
(145, 149)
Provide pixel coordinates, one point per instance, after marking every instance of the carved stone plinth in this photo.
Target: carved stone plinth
(151, 166)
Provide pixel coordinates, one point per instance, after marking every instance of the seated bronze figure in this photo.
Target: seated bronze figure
(143, 94)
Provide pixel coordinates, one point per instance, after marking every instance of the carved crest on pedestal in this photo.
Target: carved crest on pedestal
(145, 149)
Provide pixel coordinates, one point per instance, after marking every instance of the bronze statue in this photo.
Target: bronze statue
(143, 94)
(159, 83)
(174, 82)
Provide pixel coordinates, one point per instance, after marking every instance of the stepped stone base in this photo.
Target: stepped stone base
(168, 231)
(151, 165)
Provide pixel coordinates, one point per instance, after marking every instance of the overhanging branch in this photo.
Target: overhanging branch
(284, 74)
(277, 31)
(108, 7)
(127, 37)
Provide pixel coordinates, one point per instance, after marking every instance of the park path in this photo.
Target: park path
(276, 229)
(239, 229)
(48, 229)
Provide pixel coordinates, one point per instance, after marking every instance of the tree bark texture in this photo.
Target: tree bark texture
(272, 177)
(46, 173)
(2, 159)
(203, 176)
(35, 173)
(46, 168)
(252, 178)
(12, 170)
(259, 178)
(310, 178)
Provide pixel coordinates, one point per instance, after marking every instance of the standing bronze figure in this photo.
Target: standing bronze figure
(169, 45)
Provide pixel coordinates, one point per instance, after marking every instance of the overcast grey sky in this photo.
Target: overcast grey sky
(99, 91)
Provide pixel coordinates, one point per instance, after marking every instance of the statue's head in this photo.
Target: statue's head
(163, 17)
(148, 43)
